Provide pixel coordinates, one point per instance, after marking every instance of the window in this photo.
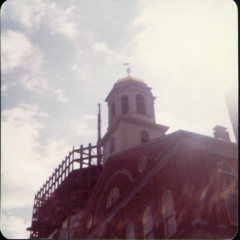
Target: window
(168, 214)
(144, 137)
(140, 104)
(142, 163)
(125, 104)
(89, 221)
(113, 196)
(231, 202)
(112, 145)
(130, 231)
(225, 168)
(148, 224)
(113, 113)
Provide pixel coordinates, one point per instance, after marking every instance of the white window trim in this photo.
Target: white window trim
(222, 171)
(164, 219)
(230, 191)
(109, 200)
(142, 163)
(143, 222)
(131, 224)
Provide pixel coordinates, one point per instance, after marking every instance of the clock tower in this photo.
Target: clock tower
(131, 116)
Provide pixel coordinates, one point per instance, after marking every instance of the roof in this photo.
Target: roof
(129, 78)
(127, 82)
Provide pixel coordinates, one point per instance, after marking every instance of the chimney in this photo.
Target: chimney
(221, 133)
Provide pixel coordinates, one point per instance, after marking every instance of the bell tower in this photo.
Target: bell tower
(131, 116)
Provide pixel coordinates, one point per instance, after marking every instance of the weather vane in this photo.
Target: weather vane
(128, 69)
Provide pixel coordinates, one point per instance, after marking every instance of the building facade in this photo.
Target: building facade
(152, 185)
(182, 185)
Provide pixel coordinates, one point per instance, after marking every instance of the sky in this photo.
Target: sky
(60, 58)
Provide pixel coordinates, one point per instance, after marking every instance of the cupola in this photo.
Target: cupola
(131, 116)
(130, 96)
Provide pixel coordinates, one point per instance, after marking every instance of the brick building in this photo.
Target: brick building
(150, 185)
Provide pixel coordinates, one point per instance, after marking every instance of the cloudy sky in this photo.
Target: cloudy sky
(60, 58)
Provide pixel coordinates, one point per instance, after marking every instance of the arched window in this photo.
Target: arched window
(130, 231)
(144, 137)
(125, 104)
(232, 206)
(225, 168)
(230, 196)
(140, 101)
(112, 144)
(112, 110)
(113, 113)
(142, 163)
(113, 196)
(148, 224)
(168, 214)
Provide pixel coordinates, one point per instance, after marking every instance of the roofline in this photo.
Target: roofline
(194, 140)
(132, 120)
(119, 85)
(129, 78)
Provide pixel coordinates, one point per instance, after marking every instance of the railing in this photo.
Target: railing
(77, 159)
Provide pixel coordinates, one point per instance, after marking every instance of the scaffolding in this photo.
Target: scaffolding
(67, 190)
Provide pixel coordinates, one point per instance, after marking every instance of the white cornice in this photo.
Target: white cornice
(133, 121)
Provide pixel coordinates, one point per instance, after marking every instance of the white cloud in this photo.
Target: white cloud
(54, 152)
(111, 56)
(26, 162)
(102, 47)
(38, 83)
(7, 85)
(60, 95)
(84, 72)
(61, 21)
(90, 117)
(15, 226)
(84, 128)
(28, 13)
(18, 51)
(4, 87)
(174, 123)
(198, 39)
(20, 152)
(34, 83)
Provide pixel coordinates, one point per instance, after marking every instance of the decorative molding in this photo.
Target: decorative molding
(122, 171)
(133, 121)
